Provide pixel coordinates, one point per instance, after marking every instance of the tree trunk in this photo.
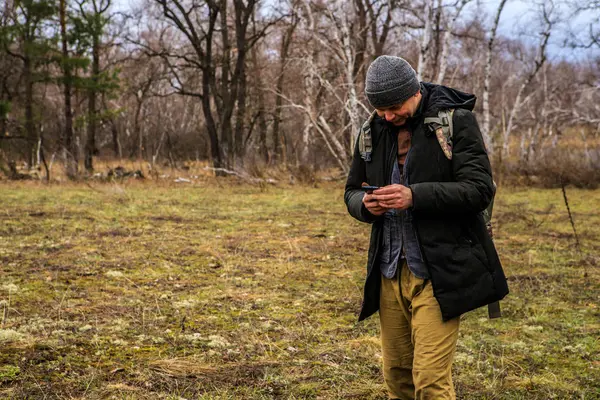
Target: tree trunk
(352, 103)
(446, 42)
(278, 137)
(226, 110)
(358, 70)
(240, 118)
(216, 149)
(375, 27)
(32, 136)
(262, 110)
(3, 121)
(90, 144)
(67, 144)
(115, 139)
(335, 147)
(487, 137)
(306, 133)
(539, 62)
(310, 93)
(436, 32)
(426, 41)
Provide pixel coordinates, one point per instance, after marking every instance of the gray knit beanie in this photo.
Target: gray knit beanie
(390, 81)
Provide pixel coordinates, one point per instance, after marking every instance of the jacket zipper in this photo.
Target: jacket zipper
(394, 150)
(404, 176)
(405, 182)
(388, 180)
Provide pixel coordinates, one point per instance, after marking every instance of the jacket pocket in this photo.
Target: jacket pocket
(479, 254)
(468, 261)
(476, 248)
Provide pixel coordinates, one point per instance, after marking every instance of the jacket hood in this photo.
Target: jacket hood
(438, 97)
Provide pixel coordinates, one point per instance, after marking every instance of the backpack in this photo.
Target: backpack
(443, 129)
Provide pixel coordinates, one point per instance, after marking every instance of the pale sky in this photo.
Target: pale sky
(517, 21)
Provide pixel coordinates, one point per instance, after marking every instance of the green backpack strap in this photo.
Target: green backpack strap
(442, 127)
(365, 143)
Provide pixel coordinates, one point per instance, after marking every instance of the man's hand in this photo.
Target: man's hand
(393, 196)
(371, 204)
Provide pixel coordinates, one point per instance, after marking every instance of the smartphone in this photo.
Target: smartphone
(369, 188)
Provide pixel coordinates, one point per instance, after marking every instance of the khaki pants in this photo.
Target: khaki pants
(418, 347)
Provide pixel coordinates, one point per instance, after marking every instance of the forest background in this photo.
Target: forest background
(246, 86)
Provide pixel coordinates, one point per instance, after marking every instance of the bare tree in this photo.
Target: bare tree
(67, 143)
(94, 13)
(336, 42)
(347, 59)
(380, 22)
(549, 20)
(426, 40)
(27, 42)
(450, 26)
(262, 109)
(284, 51)
(310, 83)
(588, 35)
(486, 86)
(207, 79)
(204, 25)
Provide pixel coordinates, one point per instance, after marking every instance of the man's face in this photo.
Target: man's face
(399, 113)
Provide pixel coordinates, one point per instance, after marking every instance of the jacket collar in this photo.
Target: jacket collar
(419, 114)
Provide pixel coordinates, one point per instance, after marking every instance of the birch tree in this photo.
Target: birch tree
(426, 40)
(310, 81)
(337, 42)
(450, 27)
(486, 86)
(547, 9)
(347, 59)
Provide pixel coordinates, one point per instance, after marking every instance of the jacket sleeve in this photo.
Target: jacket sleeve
(352, 195)
(473, 188)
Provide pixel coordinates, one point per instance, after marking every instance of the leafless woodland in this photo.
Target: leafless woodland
(245, 85)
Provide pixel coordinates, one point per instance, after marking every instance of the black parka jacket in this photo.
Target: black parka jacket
(448, 198)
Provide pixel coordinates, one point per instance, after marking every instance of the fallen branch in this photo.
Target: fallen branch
(564, 192)
(577, 246)
(240, 175)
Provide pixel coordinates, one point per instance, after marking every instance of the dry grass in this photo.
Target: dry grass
(218, 290)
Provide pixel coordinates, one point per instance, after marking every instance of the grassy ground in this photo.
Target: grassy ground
(223, 291)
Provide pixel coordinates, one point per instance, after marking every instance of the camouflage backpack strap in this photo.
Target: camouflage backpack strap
(487, 214)
(365, 143)
(442, 127)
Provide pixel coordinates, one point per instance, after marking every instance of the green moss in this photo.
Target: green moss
(9, 373)
(112, 280)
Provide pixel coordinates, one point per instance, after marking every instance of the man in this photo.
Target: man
(430, 258)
